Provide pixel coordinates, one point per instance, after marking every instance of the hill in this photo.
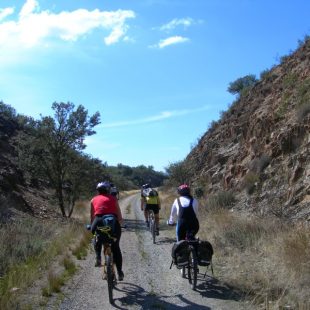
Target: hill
(259, 150)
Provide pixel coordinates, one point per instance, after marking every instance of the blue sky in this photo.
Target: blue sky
(156, 70)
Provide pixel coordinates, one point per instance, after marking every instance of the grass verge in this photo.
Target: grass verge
(36, 245)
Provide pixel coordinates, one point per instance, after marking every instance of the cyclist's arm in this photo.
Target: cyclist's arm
(195, 207)
(174, 213)
(119, 212)
(142, 203)
(92, 212)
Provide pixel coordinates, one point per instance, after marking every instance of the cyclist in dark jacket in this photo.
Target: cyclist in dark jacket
(185, 209)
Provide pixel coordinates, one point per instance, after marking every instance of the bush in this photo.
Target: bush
(241, 85)
(303, 111)
(259, 164)
(221, 200)
(250, 181)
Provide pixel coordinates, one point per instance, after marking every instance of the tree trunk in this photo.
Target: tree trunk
(61, 201)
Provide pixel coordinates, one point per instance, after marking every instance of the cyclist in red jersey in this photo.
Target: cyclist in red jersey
(102, 205)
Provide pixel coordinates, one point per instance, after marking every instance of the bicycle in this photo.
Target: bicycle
(192, 266)
(108, 273)
(152, 223)
(190, 260)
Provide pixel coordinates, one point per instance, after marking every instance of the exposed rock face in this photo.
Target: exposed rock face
(263, 141)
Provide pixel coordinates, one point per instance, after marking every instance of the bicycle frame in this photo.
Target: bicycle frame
(108, 268)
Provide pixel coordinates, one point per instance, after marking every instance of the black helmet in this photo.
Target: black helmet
(103, 187)
(184, 190)
(147, 185)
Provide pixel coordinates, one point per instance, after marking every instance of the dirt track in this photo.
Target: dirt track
(148, 282)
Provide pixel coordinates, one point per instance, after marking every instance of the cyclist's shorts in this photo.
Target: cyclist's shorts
(155, 208)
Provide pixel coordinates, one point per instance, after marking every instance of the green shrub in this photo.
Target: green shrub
(250, 181)
(222, 200)
(303, 111)
(303, 93)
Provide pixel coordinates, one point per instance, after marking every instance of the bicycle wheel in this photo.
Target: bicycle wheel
(183, 272)
(154, 232)
(152, 226)
(192, 269)
(110, 277)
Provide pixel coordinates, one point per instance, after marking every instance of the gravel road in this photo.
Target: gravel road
(148, 282)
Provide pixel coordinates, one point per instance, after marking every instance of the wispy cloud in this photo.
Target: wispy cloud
(170, 41)
(33, 26)
(6, 12)
(159, 117)
(176, 22)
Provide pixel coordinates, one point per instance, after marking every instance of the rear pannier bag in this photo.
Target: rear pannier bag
(180, 253)
(108, 222)
(204, 253)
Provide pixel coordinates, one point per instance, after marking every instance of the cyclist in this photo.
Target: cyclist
(185, 209)
(150, 201)
(114, 191)
(106, 204)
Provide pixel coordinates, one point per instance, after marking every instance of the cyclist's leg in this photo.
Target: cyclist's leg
(98, 250)
(181, 230)
(117, 253)
(194, 227)
(146, 215)
(156, 214)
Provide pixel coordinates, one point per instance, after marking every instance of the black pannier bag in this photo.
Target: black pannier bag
(204, 253)
(180, 253)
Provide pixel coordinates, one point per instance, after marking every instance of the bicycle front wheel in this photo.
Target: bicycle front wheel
(110, 278)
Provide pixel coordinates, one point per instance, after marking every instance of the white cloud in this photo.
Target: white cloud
(161, 116)
(5, 12)
(185, 22)
(33, 26)
(170, 41)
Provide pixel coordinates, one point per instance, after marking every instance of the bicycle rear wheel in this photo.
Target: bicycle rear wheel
(192, 269)
(153, 227)
(110, 278)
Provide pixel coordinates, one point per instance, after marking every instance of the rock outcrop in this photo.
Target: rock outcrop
(260, 148)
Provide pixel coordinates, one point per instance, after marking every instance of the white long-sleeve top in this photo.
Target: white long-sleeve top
(185, 201)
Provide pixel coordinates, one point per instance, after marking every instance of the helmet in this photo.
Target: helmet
(147, 185)
(184, 190)
(103, 186)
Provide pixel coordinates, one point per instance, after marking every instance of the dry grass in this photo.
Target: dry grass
(35, 244)
(266, 259)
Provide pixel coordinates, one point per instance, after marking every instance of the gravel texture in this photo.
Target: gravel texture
(149, 282)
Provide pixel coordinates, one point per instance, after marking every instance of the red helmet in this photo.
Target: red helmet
(184, 190)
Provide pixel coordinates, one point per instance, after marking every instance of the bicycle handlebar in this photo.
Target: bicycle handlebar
(173, 224)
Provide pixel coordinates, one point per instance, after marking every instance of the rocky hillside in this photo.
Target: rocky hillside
(259, 151)
(16, 194)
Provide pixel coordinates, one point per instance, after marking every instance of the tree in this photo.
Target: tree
(59, 141)
(242, 84)
(178, 173)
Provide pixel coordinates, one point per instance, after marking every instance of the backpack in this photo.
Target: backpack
(149, 192)
(204, 253)
(107, 223)
(180, 253)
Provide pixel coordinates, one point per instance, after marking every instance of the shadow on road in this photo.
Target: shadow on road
(137, 296)
(134, 225)
(212, 288)
(165, 240)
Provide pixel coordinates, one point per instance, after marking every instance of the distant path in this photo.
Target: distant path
(148, 283)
